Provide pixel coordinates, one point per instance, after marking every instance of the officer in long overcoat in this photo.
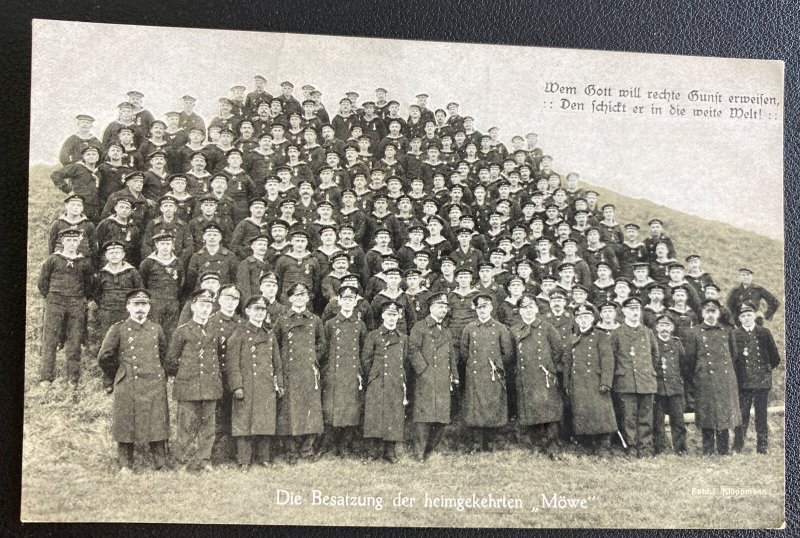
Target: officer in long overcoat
(708, 355)
(435, 364)
(486, 349)
(588, 375)
(254, 375)
(132, 354)
(384, 358)
(342, 376)
(537, 352)
(301, 339)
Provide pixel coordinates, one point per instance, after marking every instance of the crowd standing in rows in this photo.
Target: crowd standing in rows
(313, 282)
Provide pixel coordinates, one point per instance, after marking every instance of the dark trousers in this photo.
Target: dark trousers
(249, 446)
(759, 399)
(301, 445)
(386, 449)
(165, 312)
(721, 438)
(67, 314)
(671, 406)
(339, 438)
(223, 448)
(196, 424)
(637, 410)
(596, 444)
(544, 436)
(565, 430)
(482, 438)
(158, 449)
(427, 436)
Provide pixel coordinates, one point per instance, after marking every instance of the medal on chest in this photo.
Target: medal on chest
(633, 351)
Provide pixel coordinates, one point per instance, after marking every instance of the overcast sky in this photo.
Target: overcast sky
(727, 170)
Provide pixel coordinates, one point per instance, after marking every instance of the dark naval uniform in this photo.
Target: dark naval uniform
(223, 326)
(301, 339)
(669, 396)
(435, 362)
(253, 364)
(708, 355)
(384, 357)
(755, 355)
(537, 349)
(193, 358)
(342, 380)
(132, 354)
(486, 350)
(636, 357)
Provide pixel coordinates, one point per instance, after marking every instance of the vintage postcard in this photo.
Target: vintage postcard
(284, 279)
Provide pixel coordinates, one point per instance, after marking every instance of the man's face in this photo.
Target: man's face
(621, 289)
(439, 310)
(135, 185)
(516, 288)
(640, 273)
(484, 310)
(390, 318)
(608, 213)
(198, 162)
(114, 153)
(259, 247)
(212, 237)
(229, 299)
(656, 295)
(603, 272)
(745, 277)
(124, 210)
(138, 310)
(158, 161)
(196, 137)
(224, 109)
(114, 255)
(258, 210)
(394, 108)
(631, 234)
(299, 299)
(210, 284)
(345, 107)
(632, 314)
(584, 322)
(247, 130)
(346, 235)
(347, 302)
(710, 315)
(299, 243)
(679, 297)
(748, 319)
(126, 138)
(532, 139)
(380, 206)
(694, 263)
(202, 310)
(557, 304)
(676, 274)
(464, 279)
(661, 251)
(277, 132)
(219, 185)
(188, 105)
(382, 240)
(256, 314)
(664, 329)
(285, 176)
(567, 274)
(74, 207)
(293, 153)
(608, 315)
(656, 229)
(268, 288)
(126, 114)
(157, 129)
(278, 233)
(234, 160)
(328, 237)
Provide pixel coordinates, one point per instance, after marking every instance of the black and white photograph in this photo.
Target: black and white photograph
(298, 279)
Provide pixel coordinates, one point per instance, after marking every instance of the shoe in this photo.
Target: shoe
(206, 467)
(124, 471)
(244, 467)
(390, 458)
(45, 384)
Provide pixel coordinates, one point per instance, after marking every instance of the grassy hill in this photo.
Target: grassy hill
(69, 466)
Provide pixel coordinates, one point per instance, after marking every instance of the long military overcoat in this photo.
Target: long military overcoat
(716, 393)
(537, 351)
(133, 353)
(384, 356)
(301, 339)
(588, 364)
(342, 377)
(486, 350)
(435, 363)
(253, 365)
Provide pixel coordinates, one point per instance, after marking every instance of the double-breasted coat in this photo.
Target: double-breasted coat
(537, 352)
(671, 368)
(708, 354)
(193, 358)
(133, 353)
(301, 339)
(384, 357)
(253, 365)
(486, 350)
(435, 362)
(636, 357)
(755, 355)
(588, 364)
(342, 377)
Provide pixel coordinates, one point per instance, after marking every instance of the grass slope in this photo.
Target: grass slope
(69, 466)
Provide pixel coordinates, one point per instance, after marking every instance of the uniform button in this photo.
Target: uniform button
(474, 372)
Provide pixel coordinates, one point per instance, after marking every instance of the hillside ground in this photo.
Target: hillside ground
(69, 469)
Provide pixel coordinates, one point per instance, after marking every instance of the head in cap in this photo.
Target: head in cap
(114, 250)
(483, 305)
(390, 314)
(632, 310)
(298, 295)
